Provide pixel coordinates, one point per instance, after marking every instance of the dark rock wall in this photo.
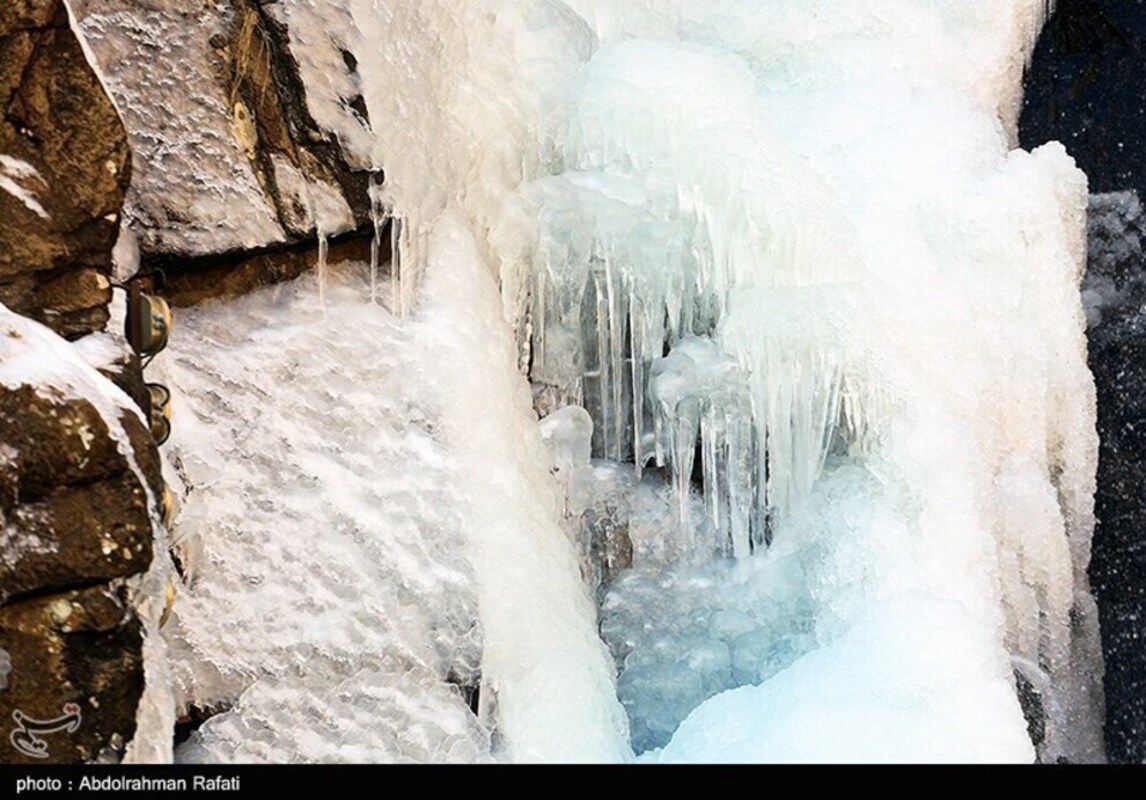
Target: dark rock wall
(80, 481)
(78, 488)
(1085, 89)
(55, 253)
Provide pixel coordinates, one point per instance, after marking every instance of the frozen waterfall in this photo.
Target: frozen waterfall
(785, 255)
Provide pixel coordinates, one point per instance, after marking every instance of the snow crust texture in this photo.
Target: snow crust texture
(331, 602)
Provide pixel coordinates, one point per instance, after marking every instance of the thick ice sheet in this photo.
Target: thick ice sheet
(330, 595)
(358, 535)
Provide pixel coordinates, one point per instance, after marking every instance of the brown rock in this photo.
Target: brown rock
(55, 245)
(76, 536)
(54, 442)
(78, 647)
(76, 464)
(191, 281)
(75, 291)
(236, 127)
(72, 506)
(262, 72)
(23, 14)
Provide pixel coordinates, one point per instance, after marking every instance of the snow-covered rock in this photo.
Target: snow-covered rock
(228, 155)
(82, 560)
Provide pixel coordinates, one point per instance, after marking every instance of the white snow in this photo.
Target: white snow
(102, 349)
(12, 172)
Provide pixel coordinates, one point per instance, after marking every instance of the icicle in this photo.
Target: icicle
(540, 313)
(615, 334)
(637, 374)
(601, 374)
(740, 477)
(323, 245)
(684, 424)
(396, 265)
(711, 466)
(377, 217)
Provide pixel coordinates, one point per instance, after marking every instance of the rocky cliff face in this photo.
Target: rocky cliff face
(80, 479)
(79, 502)
(64, 168)
(229, 158)
(1084, 88)
(231, 184)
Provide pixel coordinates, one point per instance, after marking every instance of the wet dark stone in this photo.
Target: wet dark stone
(1031, 702)
(81, 650)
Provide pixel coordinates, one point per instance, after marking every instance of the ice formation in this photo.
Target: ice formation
(543, 662)
(349, 520)
(329, 611)
(797, 233)
(791, 238)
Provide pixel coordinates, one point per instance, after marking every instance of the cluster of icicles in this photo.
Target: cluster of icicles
(718, 315)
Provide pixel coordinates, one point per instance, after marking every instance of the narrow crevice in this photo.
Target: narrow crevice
(193, 718)
(469, 688)
(188, 279)
(51, 591)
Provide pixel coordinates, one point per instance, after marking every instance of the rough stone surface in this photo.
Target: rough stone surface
(74, 512)
(1084, 89)
(63, 174)
(76, 530)
(229, 158)
(77, 647)
(1118, 566)
(191, 281)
